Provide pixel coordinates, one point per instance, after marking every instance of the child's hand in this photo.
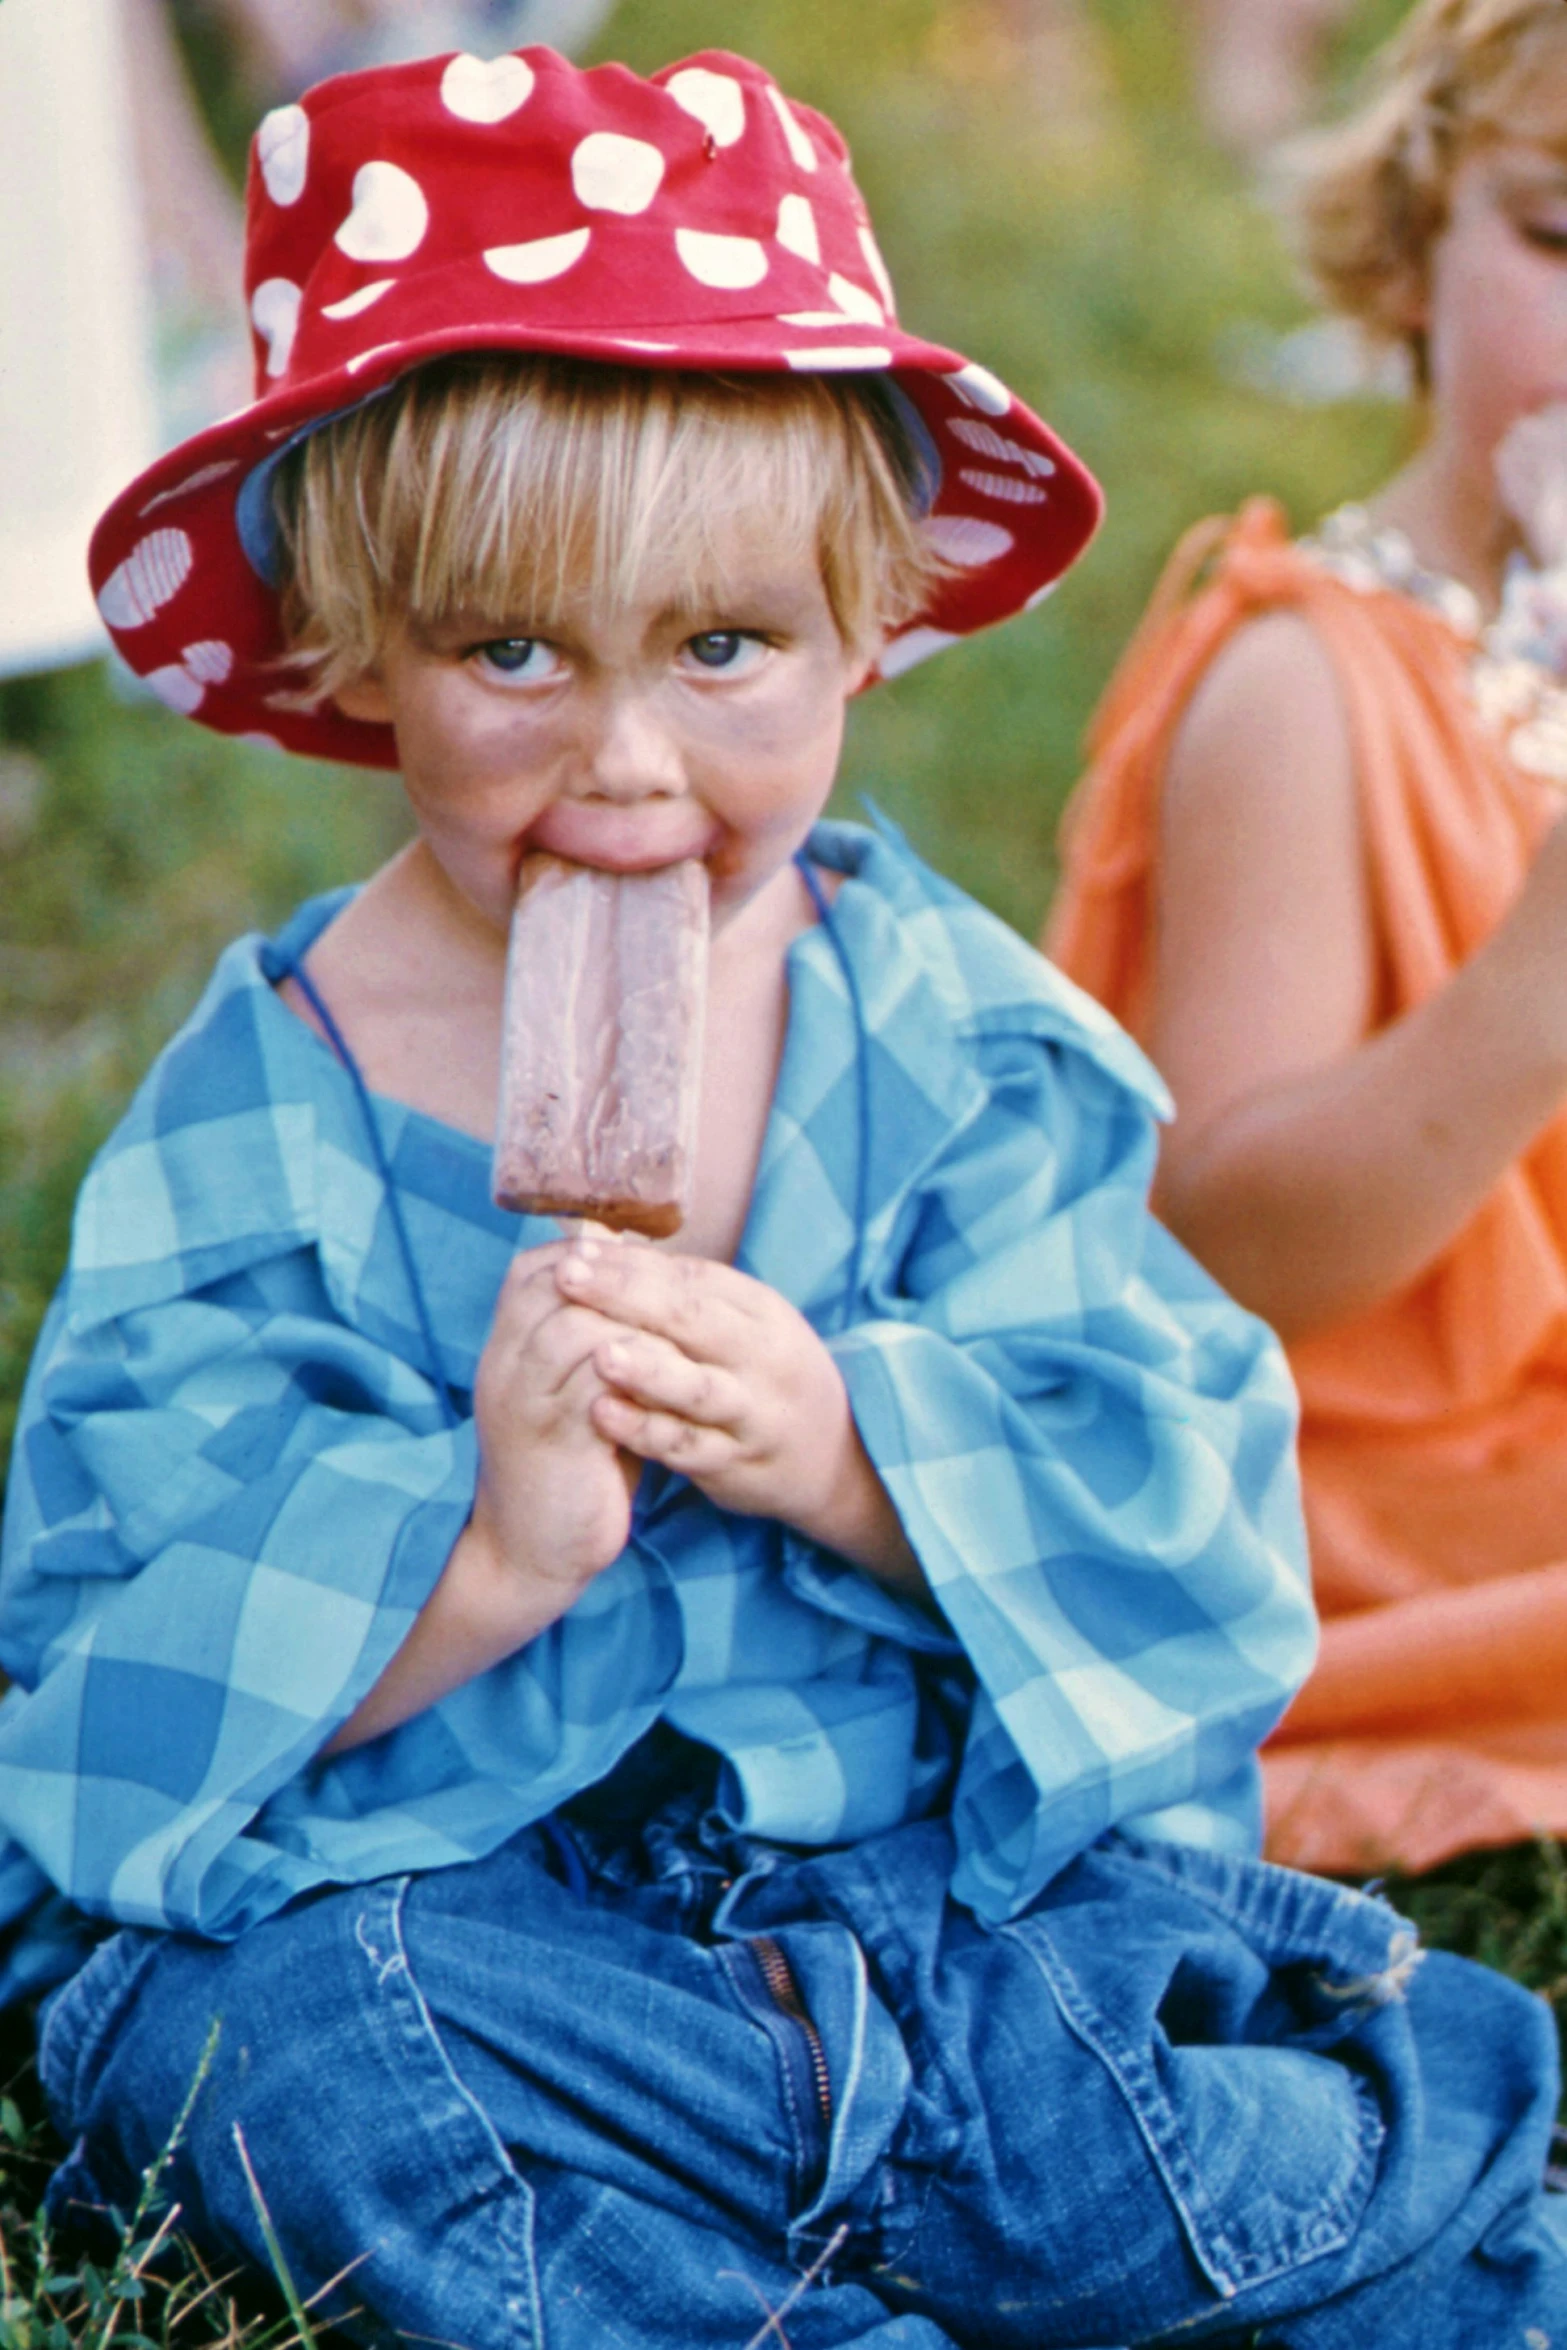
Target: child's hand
(551, 1511)
(714, 1374)
(1531, 473)
(554, 1495)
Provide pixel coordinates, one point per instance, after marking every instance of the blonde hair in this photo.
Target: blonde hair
(504, 485)
(1371, 194)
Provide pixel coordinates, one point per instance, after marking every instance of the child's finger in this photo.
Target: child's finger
(562, 1344)
(540, 1338)
(529, 1291)
(661, 1436)
(699, 1305)
(650, 1370)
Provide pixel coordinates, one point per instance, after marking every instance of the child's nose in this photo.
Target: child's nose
(632, 754)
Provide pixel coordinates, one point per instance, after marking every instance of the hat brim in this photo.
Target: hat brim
(195, 620)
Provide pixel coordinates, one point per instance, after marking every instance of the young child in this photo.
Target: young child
(696, 1794)
(1315, 869)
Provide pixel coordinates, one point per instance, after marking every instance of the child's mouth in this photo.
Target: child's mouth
(633, 839)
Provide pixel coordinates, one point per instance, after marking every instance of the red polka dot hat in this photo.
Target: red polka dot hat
(699, 219)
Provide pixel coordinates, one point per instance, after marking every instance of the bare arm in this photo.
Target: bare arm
(1316, 1167)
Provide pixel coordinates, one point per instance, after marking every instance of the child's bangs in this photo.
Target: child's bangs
(599, 493)
(506, 491)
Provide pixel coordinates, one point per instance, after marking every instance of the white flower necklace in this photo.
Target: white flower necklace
(1518, 670)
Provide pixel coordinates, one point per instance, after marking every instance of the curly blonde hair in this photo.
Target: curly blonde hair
(1369, 195)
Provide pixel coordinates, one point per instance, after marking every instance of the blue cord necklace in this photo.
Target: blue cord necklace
(286, 965)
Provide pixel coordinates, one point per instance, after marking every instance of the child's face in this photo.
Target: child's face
(663, 731)
(1495, 311)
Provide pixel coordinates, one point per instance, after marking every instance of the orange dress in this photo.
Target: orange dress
(1434, 1432)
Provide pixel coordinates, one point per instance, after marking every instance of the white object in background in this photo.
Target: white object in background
(76, 390)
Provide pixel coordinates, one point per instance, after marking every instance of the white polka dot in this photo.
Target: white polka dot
(201, 479)
(793, 130)
(846, 355)
(1041, 595)
(351, 304)
(364, 358)
(877, 268)
(1004, 486)
(985, 439)
(389, 217)
(915, 645)
(797, 228)
(981, 389)
(539, 259)
(635, 343)
(274, 306)
(721, 261)
(176, 688)
(967, 541)
(615, 174)
(716, 100)
(150, 577)
(855, 302)
(283, 152)
(486, 89)
(211, 660)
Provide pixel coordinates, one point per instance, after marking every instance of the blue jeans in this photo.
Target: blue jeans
(648, 2087)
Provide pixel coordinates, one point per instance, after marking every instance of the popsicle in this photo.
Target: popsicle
(606, 989)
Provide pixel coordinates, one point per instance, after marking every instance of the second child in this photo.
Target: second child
(1317, 868)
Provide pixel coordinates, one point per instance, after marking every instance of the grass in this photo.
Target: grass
(1507, 1909)
(1053, 211)
(133, 2281)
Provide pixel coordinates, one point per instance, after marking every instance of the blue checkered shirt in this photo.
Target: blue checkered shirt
(235, 1486)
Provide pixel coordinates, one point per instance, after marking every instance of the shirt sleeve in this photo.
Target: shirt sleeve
(226, 1511)
(1091, 1450)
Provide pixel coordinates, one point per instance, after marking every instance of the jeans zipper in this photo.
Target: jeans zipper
(784, 1991)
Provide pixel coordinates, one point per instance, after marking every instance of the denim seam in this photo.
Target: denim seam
(1230, 2269)
(514, 2215)
(890, 1962)
(122, 1959)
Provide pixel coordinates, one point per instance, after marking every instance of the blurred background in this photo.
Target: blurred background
(1073, 191)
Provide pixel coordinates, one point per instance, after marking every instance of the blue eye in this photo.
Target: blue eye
(718, 648)
(516, 660)
(510, 654)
